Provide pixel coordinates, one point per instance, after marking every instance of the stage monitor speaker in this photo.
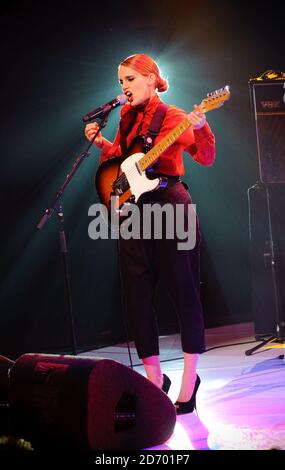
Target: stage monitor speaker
(84, 403)
(268, 106)
(262, 284)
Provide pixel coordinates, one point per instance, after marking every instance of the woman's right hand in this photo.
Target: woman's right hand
(90, 131)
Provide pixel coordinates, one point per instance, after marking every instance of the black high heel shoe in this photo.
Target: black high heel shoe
(166, 383)
(183, 407)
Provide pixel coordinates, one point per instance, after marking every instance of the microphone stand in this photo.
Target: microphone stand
(57, 207)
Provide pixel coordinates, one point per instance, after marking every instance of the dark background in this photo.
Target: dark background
(59, 61)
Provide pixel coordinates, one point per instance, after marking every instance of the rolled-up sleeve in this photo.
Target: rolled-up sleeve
(203, 149)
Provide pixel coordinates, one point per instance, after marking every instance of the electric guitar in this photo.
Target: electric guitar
(125, 177)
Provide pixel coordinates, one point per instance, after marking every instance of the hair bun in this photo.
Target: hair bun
(162, 85)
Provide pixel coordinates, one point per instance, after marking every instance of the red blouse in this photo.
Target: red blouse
(199, 143)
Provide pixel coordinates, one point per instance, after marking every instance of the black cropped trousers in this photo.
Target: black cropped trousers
(143, 262)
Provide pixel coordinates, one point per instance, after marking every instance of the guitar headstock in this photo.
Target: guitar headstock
(215, 99)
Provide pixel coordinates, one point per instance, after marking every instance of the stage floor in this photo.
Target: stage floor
(241, 400)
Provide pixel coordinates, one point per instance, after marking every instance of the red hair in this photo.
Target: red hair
(145, 65)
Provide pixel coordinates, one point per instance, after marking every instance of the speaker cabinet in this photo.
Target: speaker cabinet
(268, 106)
(262, 282)
(80, 403)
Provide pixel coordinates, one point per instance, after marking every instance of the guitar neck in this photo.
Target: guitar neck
(214, 100)
(153, 154)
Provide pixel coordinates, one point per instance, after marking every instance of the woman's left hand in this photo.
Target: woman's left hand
(196, 118)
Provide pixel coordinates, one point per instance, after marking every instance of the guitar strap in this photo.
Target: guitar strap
(153, 131)
(155, 126)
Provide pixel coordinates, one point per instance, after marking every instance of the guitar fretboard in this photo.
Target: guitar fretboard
(213, 101)
(151, 156)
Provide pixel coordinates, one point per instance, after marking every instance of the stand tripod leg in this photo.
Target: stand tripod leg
(252, 350)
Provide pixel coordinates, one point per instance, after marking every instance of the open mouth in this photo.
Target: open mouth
(129, 95)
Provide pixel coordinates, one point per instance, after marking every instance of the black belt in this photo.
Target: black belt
(171, 180)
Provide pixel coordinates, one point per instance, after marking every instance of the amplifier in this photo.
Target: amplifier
(268, 107)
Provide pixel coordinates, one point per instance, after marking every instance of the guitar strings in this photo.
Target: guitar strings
(162, 146)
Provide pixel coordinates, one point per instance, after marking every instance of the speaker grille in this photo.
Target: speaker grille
(269, 112)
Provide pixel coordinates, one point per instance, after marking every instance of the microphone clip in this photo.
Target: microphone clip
(105, 108)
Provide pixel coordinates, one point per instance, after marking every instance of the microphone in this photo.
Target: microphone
(120, 100)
